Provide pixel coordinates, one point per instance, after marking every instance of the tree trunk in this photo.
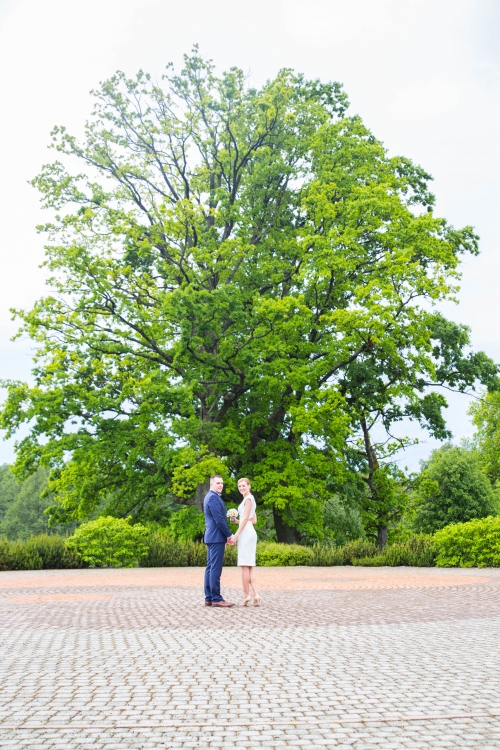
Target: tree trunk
(200, 493)
(373, 467)
(382, 537)
(286, 534)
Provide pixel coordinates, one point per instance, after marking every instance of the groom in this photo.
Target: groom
(217, 535)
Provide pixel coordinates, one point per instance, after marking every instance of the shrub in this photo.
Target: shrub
(376, 560)
(109, 542)
(167, 552)
(327, 555)
(53, 552)
(272, 553)
(197, 554)
(418, 551)
(472, 544)
(18, 556)
(231, 556)
(164, 551)
(359, 548)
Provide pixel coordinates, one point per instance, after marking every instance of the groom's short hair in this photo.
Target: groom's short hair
(215, 476)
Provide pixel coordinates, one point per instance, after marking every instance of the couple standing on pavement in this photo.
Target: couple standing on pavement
(218, 534)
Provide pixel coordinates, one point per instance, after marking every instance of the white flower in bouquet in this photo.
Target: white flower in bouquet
(232, 514)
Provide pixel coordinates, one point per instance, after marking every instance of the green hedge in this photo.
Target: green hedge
(419, 551)
(43, 552)
(271, 553)
(166, 552)
(469, 545)
(476, 543)
(325, 555)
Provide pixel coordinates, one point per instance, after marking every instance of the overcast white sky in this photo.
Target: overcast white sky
(423, 74)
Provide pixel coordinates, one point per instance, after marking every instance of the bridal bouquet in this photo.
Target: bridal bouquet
(232, 514)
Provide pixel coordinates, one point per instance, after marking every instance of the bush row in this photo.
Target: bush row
(44, 552)
(162, 550)
(106, 542)
(419, 551)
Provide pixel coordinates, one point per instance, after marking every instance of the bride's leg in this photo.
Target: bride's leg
(253, 581)
(245, 577)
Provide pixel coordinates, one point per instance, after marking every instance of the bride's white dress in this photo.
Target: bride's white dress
(247, 540)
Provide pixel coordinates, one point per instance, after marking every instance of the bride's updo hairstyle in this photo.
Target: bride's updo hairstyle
(244, 479)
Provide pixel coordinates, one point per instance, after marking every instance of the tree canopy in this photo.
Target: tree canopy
(242, 279)
(486, 417)
(453, 489)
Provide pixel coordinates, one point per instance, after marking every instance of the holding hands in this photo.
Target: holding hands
(232, 515)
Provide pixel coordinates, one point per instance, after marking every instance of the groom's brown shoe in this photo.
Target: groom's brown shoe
(222, 604)
(208, 604)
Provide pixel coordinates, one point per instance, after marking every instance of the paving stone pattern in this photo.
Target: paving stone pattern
(335, 657)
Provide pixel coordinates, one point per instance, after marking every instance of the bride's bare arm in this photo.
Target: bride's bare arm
(246, 517)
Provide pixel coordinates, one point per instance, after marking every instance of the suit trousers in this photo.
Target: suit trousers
(215, 560)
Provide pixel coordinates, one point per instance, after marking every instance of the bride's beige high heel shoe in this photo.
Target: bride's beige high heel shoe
(246, 601)
(256, 601)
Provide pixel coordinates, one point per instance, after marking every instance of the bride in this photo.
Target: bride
(246, 538)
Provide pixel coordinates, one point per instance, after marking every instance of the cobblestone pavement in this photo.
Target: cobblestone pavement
(335, 657)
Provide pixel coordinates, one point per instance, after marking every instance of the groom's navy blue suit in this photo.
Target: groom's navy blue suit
(217, 532)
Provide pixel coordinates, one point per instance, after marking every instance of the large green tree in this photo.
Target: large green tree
(382, 390)
(486, 418)
(25, 513)
(223, 257)
(9, 489)
(452, 489)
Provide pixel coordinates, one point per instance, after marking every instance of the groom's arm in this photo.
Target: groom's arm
(219, 516)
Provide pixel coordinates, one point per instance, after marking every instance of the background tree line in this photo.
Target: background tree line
(244, 282)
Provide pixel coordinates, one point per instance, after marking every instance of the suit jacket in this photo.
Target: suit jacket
(216, 527)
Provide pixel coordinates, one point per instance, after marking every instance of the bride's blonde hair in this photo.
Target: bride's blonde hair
(244, 479)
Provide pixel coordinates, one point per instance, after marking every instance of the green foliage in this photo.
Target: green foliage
(342, 521)
(265, 524)
(23, 505)
(18, 556)
(476, 543)
(452, 489)
(25, 513)
(9, 488)
(271, 553)
(231, 556)
(418, 551)
(383, 392)
(385, 502)
(53, 552)
(36, 553)
(486, 418)
(186, 524)
(472, 544)
(109, 542)
(237, 276)
(164, 551)
(326, 555)
(371, 562)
